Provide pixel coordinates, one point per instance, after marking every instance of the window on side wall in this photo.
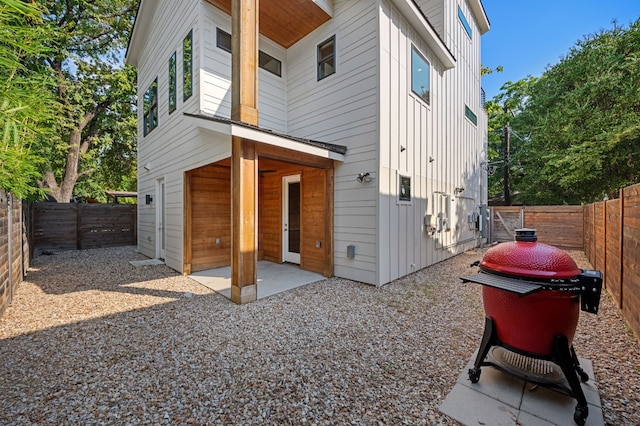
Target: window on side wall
(420, 78)
(265, 61)
(404, 189)
(172, 84)
(464, 22)
(470, 115)
(327, 58)
(187, 65)
(150, 108)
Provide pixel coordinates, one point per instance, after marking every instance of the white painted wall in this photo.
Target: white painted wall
(216, 75)
(366, 105)
(412, 132)
(343, 109)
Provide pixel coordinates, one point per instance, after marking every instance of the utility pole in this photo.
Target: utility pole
(507, 149)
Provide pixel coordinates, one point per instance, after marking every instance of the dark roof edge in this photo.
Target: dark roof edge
(340, 149)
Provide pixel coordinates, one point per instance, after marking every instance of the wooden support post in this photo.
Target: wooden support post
(244, 158)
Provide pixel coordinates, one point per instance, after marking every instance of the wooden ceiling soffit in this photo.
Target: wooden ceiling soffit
(284, 21)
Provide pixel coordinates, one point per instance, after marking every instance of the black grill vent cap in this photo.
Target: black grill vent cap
(526, 235)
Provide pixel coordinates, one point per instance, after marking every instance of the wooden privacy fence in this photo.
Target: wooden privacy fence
(560, 226)
(83, 226)
(14, 251)
(612, 245)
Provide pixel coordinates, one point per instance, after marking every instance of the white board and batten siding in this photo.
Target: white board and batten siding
(434, 144)
(343, 109)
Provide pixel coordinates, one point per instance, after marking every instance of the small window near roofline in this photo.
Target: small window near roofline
(265, 61)
(327, 58)
(464, 22)
(187, 65)
(420, 76)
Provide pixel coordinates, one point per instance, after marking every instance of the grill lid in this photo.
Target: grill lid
(527, 258)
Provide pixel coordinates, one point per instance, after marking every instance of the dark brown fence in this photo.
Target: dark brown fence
(560, 226)
(83, 226)
(612, 244)
(14, 256)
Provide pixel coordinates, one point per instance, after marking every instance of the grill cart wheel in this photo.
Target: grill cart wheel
(474, 375)
(580, 415)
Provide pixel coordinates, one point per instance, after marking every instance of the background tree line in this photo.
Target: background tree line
(67, 106)
(68, 110)
(575, 130)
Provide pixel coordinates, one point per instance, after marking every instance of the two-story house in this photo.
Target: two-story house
(346, 136)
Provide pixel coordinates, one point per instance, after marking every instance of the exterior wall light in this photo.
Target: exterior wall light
(364, 177)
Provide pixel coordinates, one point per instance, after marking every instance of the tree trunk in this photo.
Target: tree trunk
(62, 193)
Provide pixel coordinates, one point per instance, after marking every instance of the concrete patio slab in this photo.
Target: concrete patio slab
(502, 399)
(146, 262)
(273, 278)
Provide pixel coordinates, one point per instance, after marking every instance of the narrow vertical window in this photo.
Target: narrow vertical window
(327, 58)
(187, 65)
(223, 40)
(464, 22)
(150, 108)
(172, 84)
(420, 79)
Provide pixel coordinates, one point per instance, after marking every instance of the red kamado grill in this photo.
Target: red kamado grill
(532, 295)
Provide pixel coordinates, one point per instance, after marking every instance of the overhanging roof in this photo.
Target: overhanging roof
(419, 21)
(235, 128)
(481, 17)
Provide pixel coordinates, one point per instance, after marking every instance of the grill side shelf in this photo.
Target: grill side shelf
(517, 286)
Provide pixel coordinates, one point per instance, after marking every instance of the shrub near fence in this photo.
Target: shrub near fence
(83, 226)
(13, 256)
(612, 244)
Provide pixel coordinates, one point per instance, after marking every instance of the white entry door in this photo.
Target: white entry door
(160, 218)
(291, 219)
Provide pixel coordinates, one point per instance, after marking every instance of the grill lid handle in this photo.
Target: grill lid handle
(527, 235)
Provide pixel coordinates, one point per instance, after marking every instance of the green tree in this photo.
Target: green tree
(96, 129)
(583, 120)
(25, 105)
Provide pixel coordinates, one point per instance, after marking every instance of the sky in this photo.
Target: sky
(527, 36)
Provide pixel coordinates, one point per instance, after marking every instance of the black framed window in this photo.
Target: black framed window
(223, 40)
(404, 193)
(327, 58)
(150, 108)
(269, 63)
(172, 84)
(265, 61)
(187, 66)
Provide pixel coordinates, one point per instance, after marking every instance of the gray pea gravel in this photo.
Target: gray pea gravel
(89, 339)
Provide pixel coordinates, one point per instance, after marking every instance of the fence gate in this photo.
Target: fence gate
(504, 222)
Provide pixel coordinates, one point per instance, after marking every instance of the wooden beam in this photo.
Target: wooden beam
(244, 61)
(328, 230)
(290, 156)
(244, 220)
(188, 239)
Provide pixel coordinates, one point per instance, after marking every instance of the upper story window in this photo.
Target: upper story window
(265, 61)
(150, 108)
(464, 22)
(187, 65)
(420, 79)
(269, 63)
(470, 115)
(223, 40)
(172, 84)
(327, 58)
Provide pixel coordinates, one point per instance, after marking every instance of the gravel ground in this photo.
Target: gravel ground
(89, 339)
